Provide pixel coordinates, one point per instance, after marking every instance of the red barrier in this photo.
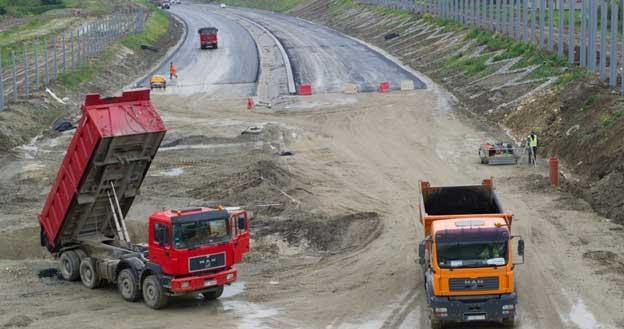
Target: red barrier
(250, 103)
(305, 90)
(384, 87)
(553, 163)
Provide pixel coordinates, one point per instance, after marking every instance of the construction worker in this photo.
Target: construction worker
(172, 71)
(532, 140)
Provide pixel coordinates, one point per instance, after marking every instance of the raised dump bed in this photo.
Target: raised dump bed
(110, 153)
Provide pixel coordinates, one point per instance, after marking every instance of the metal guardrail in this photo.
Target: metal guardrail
(597, 45)
(35, 64)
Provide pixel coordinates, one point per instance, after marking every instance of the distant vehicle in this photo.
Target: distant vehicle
(158, 81)
(208, 37)
(223, 5)
(165, 5)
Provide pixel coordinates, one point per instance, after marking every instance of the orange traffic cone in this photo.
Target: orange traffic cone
(250, 103)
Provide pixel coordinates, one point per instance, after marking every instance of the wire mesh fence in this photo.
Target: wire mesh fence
(33, 65)
(587, 32)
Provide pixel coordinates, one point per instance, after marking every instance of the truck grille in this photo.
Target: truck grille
(206, 262)
(482, 283)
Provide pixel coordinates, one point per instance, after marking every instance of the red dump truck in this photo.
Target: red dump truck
(82, 222)
(208, 37)
(466, 254)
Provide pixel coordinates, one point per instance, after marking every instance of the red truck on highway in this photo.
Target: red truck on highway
(466, 254)
(82, 221)
(208, 37)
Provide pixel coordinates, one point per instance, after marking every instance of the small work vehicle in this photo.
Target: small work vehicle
(158, 81)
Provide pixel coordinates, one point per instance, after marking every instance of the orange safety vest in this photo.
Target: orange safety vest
(172, 69)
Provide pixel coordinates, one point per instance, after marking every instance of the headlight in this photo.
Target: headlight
(508, 307)
(185, 284)
(440, 309)
(230, 277)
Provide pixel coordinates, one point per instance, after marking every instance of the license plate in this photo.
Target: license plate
(209, 283)
(475, 317)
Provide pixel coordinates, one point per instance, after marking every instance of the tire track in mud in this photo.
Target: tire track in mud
(407, 305)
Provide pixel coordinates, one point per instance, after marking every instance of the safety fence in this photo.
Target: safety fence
(33, 65)
(586, 32)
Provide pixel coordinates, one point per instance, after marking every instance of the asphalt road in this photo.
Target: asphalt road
(231, 69)
(327, 59)
(319, 56)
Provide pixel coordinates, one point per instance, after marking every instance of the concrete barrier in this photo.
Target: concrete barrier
(305, 90)
(407, 85)
(384, 87)
(350, 88)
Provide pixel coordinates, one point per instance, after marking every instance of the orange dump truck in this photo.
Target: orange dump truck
(467, 254)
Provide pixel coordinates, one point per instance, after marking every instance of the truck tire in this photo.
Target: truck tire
(128, 285)
(153, 293)
(70, 265)
(213, 294)
(89, 274)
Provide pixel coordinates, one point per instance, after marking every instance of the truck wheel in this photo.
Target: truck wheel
(70, 265)
(213, 294)
(153, 294)
(128, 285)
(88, 273)
(509, 322)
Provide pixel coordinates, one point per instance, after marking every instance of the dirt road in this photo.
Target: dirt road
(364, 155)
(336, 231)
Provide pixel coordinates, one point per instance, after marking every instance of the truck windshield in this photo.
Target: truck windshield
(198, 233)
(474, 254)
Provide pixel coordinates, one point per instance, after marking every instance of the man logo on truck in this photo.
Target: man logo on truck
(473, 284)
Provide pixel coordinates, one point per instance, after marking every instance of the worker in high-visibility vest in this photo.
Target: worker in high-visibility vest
(173, 72)
(532, 140)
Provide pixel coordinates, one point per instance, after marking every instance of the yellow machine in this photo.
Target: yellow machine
(158, 81)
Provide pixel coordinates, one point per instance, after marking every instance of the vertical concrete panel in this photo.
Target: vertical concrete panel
(498, 15)
(525, 17)
(613, 56)
(551, 14)
(571, 36)
(603, 40)
(541, 23)
(560, 29)
(583, 39)
(533, 21)
(593, 15)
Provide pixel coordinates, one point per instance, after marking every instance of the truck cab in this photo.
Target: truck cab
(467, 255)
(196, 249)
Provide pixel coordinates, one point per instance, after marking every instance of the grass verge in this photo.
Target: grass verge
(156, 26)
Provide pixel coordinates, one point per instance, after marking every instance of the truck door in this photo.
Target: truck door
(241, 239)
(160, 246)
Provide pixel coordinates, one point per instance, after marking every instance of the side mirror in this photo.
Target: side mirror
(421, 252)
(521, 247)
